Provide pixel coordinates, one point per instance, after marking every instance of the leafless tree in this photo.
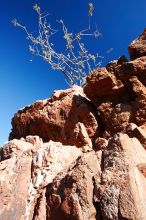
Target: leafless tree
(76, 61)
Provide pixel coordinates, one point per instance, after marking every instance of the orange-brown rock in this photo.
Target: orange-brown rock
(102, 84)
(133, 68)
(91, 161)
(116, 118)
(55, 182)
(140, 134)
(119, 94)
(68, 117)
(47, 181)
(138, 47)
(75, 190)
(123, 181)
(140, 100)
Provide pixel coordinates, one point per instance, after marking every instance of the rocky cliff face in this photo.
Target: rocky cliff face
(80, 155)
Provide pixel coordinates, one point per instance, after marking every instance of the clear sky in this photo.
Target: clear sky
(23, 82)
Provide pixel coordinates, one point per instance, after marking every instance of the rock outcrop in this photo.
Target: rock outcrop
(68, 117)
(81, 155)
(138, 46)
(123, 179)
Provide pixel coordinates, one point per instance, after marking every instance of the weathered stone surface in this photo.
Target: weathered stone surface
(115, 118)
(75, 191)
(138, 47)
(119, 94)
(111, 66)
(140, 134)
(91, 163)
(123, 183)
(51, 181)
(140, 101)
(132, 68)
(47, 181)
(15, 176)
(66, 117)
(101, 84)
(100, 144)
(26, 169)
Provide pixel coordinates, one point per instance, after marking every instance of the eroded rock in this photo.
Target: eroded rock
(66, 117)
(138, 47)
(102, 84)
(75, 190)
(88, 161)
(123, 193)
(25, 171)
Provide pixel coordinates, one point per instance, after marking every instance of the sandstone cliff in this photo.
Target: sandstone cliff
(80, 155)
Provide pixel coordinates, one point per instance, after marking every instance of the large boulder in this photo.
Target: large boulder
(51, 181)
(123, 181)
(132, 68)
(47, 181)
(68, 117)
(102, 84)
(74, 191)
(115, 118)
(119, 94)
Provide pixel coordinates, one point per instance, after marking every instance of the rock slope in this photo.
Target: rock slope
(80, 155)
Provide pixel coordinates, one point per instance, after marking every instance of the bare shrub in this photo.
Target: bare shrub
(75, 61)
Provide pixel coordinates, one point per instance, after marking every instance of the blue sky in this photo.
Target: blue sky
(23, 82)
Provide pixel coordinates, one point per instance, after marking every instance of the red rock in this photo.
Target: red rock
(101, 84)
(75, 191)
(100, 144)
(58, 119)
(15, 176)
(136, 67)
(25, 171)
(128, 105)
(47, 181)
(113, 65)
(115, 118)
(138, 47)
(123, 184)
(140, 134)
(140, 101)
(83, 169)
(52, 181)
